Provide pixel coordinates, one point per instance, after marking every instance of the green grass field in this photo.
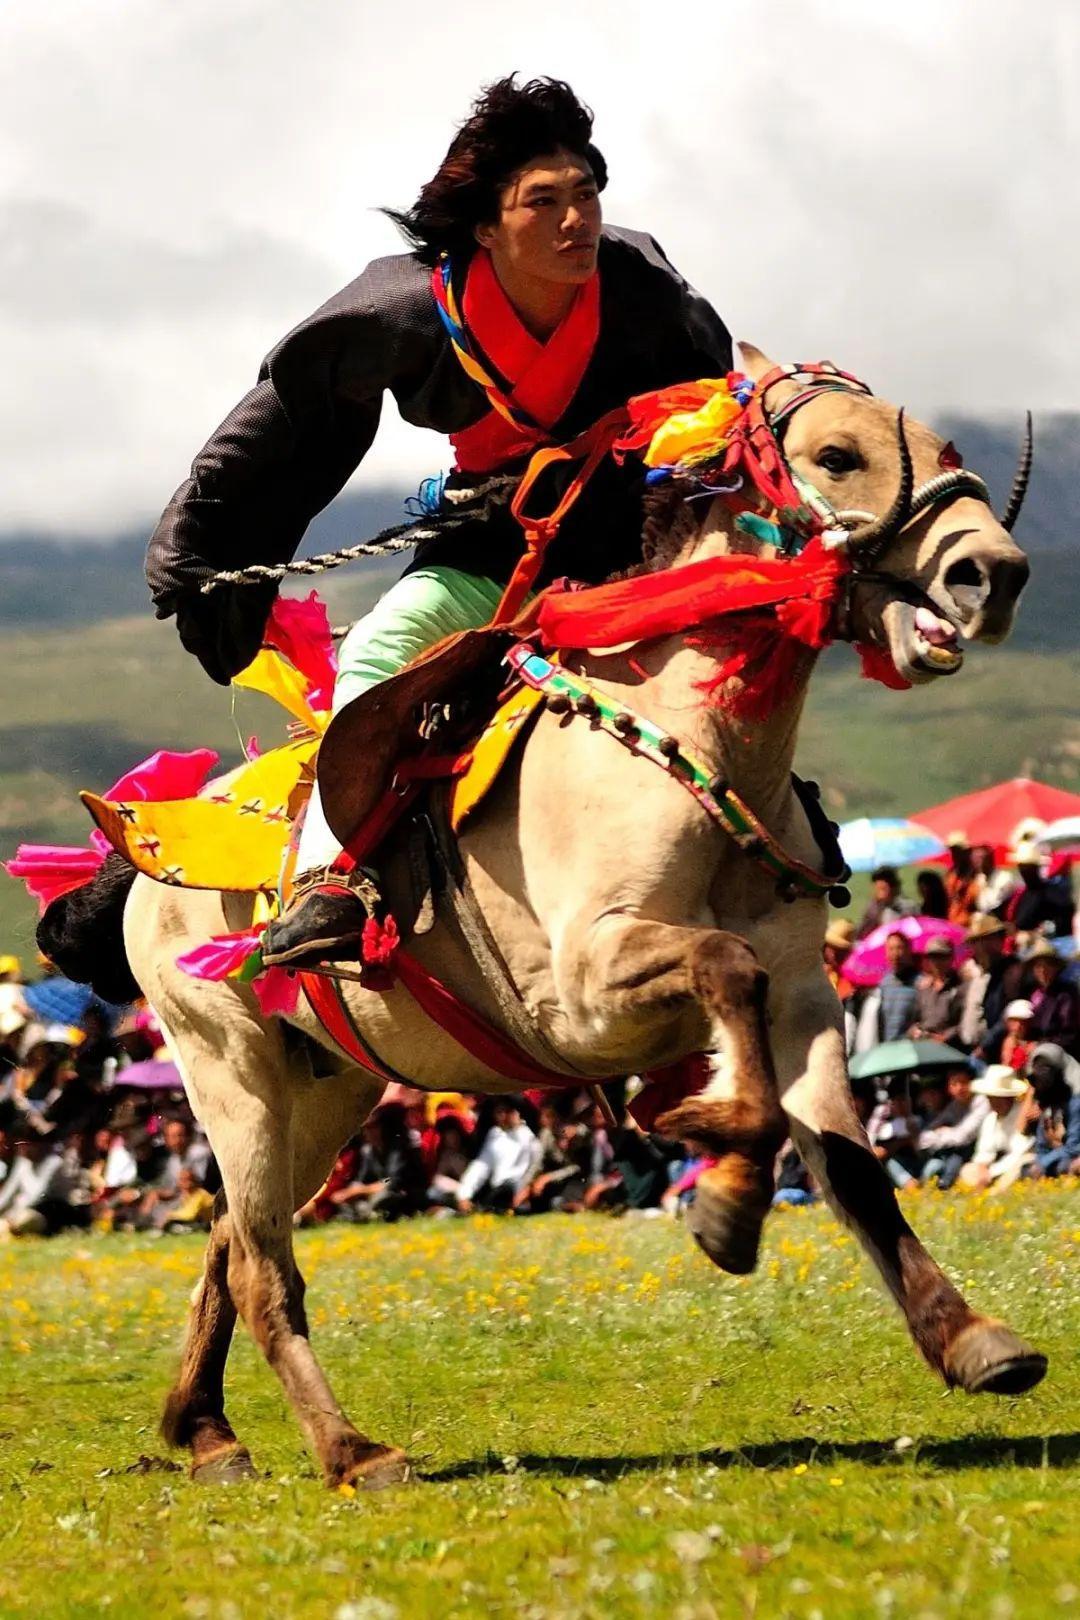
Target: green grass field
(605, 1426)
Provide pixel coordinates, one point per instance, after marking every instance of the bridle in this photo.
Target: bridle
(862, 535)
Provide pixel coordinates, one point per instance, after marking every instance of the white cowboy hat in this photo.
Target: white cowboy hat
(999, 1081)
(1020, 1009)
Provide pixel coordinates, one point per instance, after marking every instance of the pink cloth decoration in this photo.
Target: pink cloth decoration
(220, 956)
(50, 870)
(277, 992)
(301, 630)
(866, 964)
(164, 776)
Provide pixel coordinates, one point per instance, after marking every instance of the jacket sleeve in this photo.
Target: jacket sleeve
(277, 459)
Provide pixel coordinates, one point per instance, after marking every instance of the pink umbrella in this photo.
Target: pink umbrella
(867, 965)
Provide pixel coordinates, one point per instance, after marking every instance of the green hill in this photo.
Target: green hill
(83, 703)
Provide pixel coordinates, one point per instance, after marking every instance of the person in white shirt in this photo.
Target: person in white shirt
(35, 1195)
(1003, 1146)
(500, 1175)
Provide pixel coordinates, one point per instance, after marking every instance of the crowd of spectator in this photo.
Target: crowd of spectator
(95, 1130)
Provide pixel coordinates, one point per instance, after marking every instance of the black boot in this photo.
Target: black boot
(323, 922)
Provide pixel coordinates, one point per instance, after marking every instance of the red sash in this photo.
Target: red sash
(544, 377)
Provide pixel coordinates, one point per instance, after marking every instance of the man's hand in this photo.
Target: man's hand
(224, 628)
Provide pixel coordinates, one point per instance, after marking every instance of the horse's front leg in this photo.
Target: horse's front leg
(648, 989)
(965, 1348)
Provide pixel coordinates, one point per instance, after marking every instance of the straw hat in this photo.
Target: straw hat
(1019, 1009)
(1041, 950)
(984, 927)
(957, 840)
(1027, 851)
(841, 934)
(999, 1081)
(939, 945)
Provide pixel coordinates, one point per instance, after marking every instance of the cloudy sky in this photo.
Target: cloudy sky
(891, 185)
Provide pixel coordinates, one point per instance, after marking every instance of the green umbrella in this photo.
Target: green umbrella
(905, 1057)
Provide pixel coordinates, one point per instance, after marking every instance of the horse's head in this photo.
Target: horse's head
(931, 562)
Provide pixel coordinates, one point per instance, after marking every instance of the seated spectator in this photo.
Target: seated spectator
(500, 1175)
(839, 943)
(130, 1204)
(962, 882)
(947, 1141)
(888, 1010)
(893, 1131)
(388, 1176)
(324, 1205)
(1003, 1146)
(995, 883)
(448, 1160)
(645, 1162)
(564, 1164)
(794, 1183)
(193, 1207)
(38, 1195)
(1055, 1083)
(1055, 1001)
(1042, 904)
(1011, 1044)
(681, 1192)
(938, 995)
(886, 904)
(933, 901)
(990, 981)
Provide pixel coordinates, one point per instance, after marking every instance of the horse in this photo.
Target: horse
(635, 931)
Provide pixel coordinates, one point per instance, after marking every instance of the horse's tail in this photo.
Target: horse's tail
(83, 932)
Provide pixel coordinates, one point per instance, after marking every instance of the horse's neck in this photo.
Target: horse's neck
(754, 755)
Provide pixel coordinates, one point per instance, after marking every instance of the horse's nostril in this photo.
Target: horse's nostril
(964, 572)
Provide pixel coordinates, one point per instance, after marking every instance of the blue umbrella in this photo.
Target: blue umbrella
(55, 1000)
(887, 841)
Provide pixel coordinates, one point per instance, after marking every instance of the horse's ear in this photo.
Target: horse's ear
(755, 364)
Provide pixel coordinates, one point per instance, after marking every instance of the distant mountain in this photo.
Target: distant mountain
(74, 580)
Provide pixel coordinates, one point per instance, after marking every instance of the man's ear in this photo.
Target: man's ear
(485, 233)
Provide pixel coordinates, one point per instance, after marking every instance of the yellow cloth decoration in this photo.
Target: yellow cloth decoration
(270, 674)
(692, 435)
(233, 836)
(491, 751)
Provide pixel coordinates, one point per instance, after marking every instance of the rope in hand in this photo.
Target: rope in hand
(399, 537)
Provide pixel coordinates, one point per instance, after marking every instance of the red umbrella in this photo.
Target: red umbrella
(992, 815)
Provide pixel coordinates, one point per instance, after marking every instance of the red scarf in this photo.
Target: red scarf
(787, 606)
(544, 376)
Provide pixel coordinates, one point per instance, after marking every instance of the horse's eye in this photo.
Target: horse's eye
(837, 461)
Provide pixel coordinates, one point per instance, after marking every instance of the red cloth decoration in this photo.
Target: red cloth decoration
(378, 942)
(545, 376)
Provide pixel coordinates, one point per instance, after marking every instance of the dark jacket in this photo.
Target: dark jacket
(291, 444)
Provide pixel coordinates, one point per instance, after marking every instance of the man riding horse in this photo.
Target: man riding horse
(517, 321)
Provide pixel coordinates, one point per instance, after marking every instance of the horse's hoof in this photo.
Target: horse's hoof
(987, 1358)
(230, 1466)
(727, 1229)
(379, 1468)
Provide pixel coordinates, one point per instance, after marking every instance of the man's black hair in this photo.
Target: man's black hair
(509, 125)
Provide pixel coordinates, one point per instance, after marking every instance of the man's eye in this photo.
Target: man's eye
(837, 461)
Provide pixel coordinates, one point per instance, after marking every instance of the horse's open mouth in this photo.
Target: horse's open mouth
(924, 645)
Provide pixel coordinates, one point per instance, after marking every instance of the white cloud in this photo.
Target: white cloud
(893, 187)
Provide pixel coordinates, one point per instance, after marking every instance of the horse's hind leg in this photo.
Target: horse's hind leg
(194, 1413)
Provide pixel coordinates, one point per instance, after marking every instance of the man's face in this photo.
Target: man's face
(175, 1135)
(1044, 970)
(506, 1117)
(959, 1084)
(896, 952)
(982, 858)
(884, 891)
(549, 221)
(939, 964)
(987, 949)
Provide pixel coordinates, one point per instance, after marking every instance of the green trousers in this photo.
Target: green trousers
(413, 615)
